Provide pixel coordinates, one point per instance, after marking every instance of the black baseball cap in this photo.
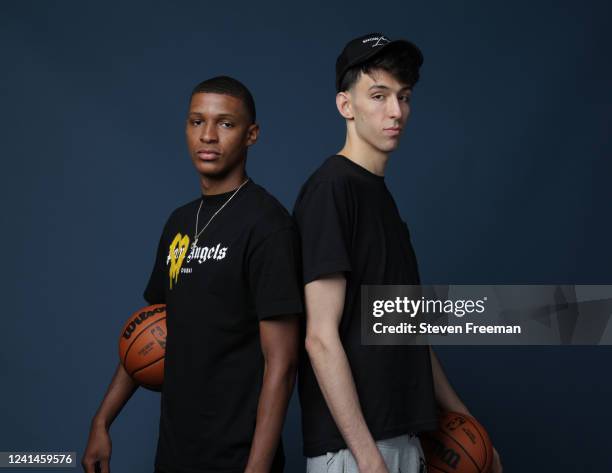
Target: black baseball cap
(367, 46)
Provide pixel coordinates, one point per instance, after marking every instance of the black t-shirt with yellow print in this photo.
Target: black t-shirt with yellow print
(243, 268)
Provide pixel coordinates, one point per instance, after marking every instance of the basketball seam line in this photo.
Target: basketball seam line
(146, 366)
(436, 468)
(462, 448)
(486, 450)
(136, 338)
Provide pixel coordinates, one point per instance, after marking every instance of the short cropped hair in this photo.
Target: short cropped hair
(398, 62)
(228, 86)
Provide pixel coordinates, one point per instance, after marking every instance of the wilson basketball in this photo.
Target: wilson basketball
(142, 346)
(461, 445)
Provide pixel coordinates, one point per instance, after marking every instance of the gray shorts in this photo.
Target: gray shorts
(401, 454)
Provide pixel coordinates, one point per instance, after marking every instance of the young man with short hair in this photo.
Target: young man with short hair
(362, 405)
(226, 268)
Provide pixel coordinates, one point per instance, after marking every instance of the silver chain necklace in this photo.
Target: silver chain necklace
(197, 234)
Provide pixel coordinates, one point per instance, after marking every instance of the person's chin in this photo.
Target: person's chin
(212, 168)
(389, 146)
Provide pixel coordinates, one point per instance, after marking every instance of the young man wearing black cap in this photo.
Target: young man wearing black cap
(226, 268)
(363, 405)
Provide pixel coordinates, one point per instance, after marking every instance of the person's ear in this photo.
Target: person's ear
(344, 105)
(252, 134)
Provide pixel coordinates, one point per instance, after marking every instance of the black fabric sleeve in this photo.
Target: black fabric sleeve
(323, 215)
(415, 263)
(155, 291)
(273, 271)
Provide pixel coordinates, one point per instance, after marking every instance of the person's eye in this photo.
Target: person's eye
(227, 124)
(405, 98)
(378, 97)
(195, 122)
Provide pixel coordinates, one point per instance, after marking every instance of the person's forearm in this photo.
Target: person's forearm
(332, 370)
(118, 393)
(446, 397)
(278, 382)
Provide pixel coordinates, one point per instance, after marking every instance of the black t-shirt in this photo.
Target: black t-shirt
(348, 222)
(243, 269)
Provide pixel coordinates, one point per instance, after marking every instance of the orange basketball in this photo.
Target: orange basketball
(460, 445)
(142, 346)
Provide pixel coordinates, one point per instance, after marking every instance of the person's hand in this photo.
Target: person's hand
(496, 466)
(98, 450)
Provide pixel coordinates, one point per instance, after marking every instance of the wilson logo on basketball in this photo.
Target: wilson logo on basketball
(140, 318)
(446, 455)
(454, 423)
(460, 445)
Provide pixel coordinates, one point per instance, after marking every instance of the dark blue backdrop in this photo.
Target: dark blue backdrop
(503, 176)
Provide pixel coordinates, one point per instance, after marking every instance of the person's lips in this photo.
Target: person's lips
(392, 131)
(208, 154)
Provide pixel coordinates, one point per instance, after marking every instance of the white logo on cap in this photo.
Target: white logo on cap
(380, 41)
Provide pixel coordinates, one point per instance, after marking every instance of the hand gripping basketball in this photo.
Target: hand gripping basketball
(460, 445)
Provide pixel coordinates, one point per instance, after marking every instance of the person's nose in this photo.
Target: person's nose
(394, 108)
(209, 133)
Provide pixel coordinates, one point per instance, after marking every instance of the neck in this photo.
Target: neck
(365, 155)
(212, 185)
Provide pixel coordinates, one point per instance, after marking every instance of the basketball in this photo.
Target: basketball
(142, 346)
(460, 445)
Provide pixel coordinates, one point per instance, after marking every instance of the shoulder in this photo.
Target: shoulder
(332, 180)
(332, 170)
(186, 208)
(265, 205)
(266, 213)
(332, 173)
(181, 213)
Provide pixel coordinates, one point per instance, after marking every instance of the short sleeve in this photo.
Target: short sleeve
(273, 271)
(322, 213)
(155, 291)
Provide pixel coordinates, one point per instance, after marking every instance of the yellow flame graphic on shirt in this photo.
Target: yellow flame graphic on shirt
(178, 250)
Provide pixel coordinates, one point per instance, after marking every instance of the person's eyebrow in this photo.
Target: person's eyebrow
(378, 86)
(221, 115)
(384, 87)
